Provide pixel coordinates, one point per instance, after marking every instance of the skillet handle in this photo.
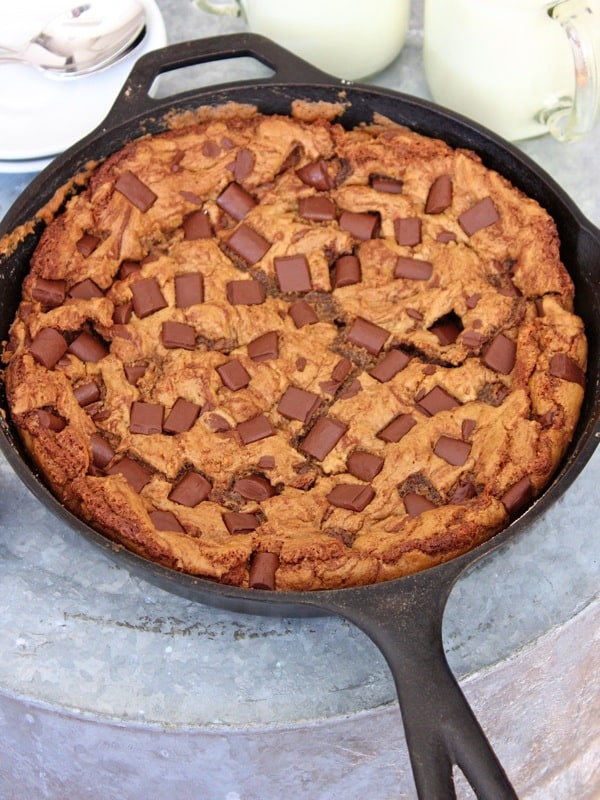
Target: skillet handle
(441, 729)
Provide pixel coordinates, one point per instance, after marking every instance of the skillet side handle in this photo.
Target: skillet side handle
(441, 729)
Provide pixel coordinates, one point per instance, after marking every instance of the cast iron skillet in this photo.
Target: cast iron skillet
(403, 617)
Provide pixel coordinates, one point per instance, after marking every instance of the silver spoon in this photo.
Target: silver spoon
(83, 39)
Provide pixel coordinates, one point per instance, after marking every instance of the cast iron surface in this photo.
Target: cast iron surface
(404, 616)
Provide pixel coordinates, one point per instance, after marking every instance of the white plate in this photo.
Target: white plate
(40, 116)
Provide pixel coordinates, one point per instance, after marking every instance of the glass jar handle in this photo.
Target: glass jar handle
(227, 8)
(573, 118)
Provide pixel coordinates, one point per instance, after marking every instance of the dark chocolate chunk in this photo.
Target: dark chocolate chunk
(178, 334)
(192, 489)
(462, 491)
(397, 428)
(85, 290)
(392, 362)
(263, 569)
(317, 208)
(196, 225)
(436, 400)
(341, 370)
(301, 363)
(302, 314)
(136, 475)
(467, 428)
(87, 244)
(564, 367)
(444, 237)
(245, 293)
(264, 348)
(323, 437)
(122, 314)
(471, 339)
(266, 462)
(234, 375)
(48, 347)
(413, 313)
(128, 268)
(472, 300)
(243, 164)
(416, 504)
(351, 390)
(147, 297)
(454, 451)
(351, 496)
(181, 417)
(254, 487)
(239, 522)
(87, 393)
(518, 497)
(298, 404)
(218, 424)
(315, 174)
(134, 372)
(248, 244)
(251, 430)
(407, 231)
(87, 348)
(165, 521)
(500, 355)
(136, 191)
(363, 226)
(440, 195)
(146, 418)
(346, 271)
(236, 201)
(364, 466)
(329, 387)
(189, 289)
(50, 421)
(293, 273)
(446, 332)
(381, 183)
(102, 452)
(413, 268)
(481, 215)
(50, 293)
(368, 335)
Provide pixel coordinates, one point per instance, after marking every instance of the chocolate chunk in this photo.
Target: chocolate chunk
(87, 348)
(368, 335)
(301, 363)
(351, 496)
(454, 451)
(381, 183)
(329, 387)
(264, 348)
(196, 225)
(293, 273)
(416, 504)
(446, 332)
(122, 314)
(165, 521)
(102, 452)
(50, 421)
(413, 268)
(243, 164)
(437, 400)
(178, 334)
(266, 462)
(346, 271)
(397, 428)
(245, 293)
(363, 226)
(50, 293)
(317, 208)
(181, 417)
(189, 289)
(87, 393)
(323, 437)
(262, 571)
(234, 375)
(128, 268)
(48, 347)
(407, 231)
(146, 418)
(341, 370)
(471, 339)
(392, 362)
(147, 297)
(414, 314)
(440, 195)
(134, 372)
(364, 466)
(210, 149)
(254, 487)
(136, 191)
(564, 367)
(236, 201)
(500, 355)
(192, 489)
(462, 491)
(518, 497)
(302, 314)
(444, 237)
(136, 475)
(472, 300)
(85, 290)
(481, 215)
(248, 244)
(87, 244)
(315, 174)
(298, 404)
(351, 390)
(467, 428)
(251, 430)
(238, 522)
(218, 424)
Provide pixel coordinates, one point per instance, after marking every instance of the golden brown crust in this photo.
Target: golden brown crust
(489, 332)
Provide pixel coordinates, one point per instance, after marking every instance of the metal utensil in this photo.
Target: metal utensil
(84, 39)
